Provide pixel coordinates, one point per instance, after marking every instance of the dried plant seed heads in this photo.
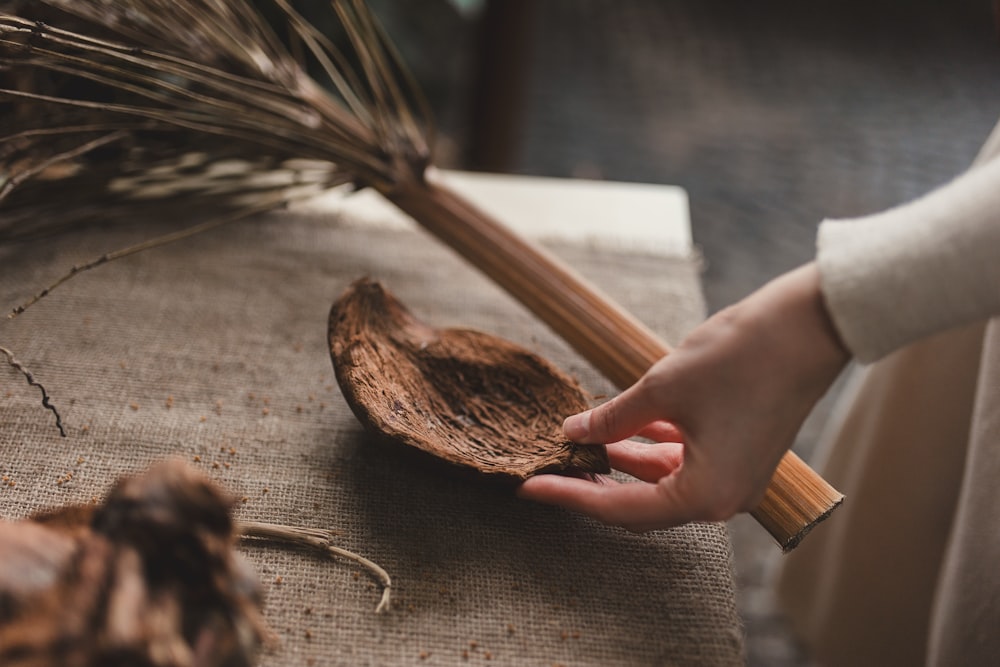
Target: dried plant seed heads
(476, 401)
(149, 577)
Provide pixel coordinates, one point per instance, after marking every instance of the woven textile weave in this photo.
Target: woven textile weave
(214, 350)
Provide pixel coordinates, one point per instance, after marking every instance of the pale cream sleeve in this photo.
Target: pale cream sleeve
(917, 269)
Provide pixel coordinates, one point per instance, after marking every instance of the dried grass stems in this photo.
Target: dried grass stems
(322, 540)
(143, 108)
(215, 67)
(180, 88)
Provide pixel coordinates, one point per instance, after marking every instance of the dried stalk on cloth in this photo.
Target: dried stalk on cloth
(130, 107)
(322, 541)
(46, 400)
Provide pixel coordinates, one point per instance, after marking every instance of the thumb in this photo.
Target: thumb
(618, 419)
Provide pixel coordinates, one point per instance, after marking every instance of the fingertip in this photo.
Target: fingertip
(529, 487)
(524, 488)
(554, 489)
(619, 418)
(662, 431)
(577, 427)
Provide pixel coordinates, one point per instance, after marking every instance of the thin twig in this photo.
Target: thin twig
(317, 539)
(22, 176)
(34, 383)
(139, 247)
(336, 67)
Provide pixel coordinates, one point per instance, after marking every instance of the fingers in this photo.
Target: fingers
(647, 462)
(662, 431)
(639, 506)
(620, 418)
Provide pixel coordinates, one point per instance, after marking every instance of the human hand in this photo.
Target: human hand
(724, 407)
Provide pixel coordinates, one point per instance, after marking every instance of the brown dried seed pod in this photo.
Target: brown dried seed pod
(147, 578)
(474, 400)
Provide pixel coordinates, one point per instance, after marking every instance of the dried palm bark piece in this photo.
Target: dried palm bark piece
(474, 400)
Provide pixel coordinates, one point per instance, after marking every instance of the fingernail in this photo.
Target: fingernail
(577, 427)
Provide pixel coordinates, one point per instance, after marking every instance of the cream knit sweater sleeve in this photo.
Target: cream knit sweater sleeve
(917, 269)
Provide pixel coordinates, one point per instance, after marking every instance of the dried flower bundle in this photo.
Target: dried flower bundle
(150, 577)
(147, 578)
(130, 107)
(143, 107)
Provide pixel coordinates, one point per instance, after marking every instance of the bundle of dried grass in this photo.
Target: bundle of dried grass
(144, 107)
(132, 107)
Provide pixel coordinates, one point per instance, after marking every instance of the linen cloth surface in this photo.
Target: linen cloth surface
(214, 350)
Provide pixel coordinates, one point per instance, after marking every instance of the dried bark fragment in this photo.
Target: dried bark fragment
(474, 400)
(149, 578)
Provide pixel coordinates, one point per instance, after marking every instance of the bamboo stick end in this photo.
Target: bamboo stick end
(795, 539)
(796, 501)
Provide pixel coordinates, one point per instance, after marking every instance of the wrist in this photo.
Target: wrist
(793, 307)
(814, 306)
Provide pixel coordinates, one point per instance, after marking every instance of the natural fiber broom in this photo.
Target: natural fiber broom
(136, 108)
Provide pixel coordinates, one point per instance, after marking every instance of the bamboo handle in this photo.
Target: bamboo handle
(611, 339)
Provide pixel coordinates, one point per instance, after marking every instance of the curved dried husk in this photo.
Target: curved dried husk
(474, 400)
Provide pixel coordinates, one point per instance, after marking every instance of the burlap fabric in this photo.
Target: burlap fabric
(214, 350)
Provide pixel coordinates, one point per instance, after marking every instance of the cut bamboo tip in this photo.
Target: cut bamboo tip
(796, 501)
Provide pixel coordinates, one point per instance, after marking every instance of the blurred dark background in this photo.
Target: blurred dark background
(772, 115)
